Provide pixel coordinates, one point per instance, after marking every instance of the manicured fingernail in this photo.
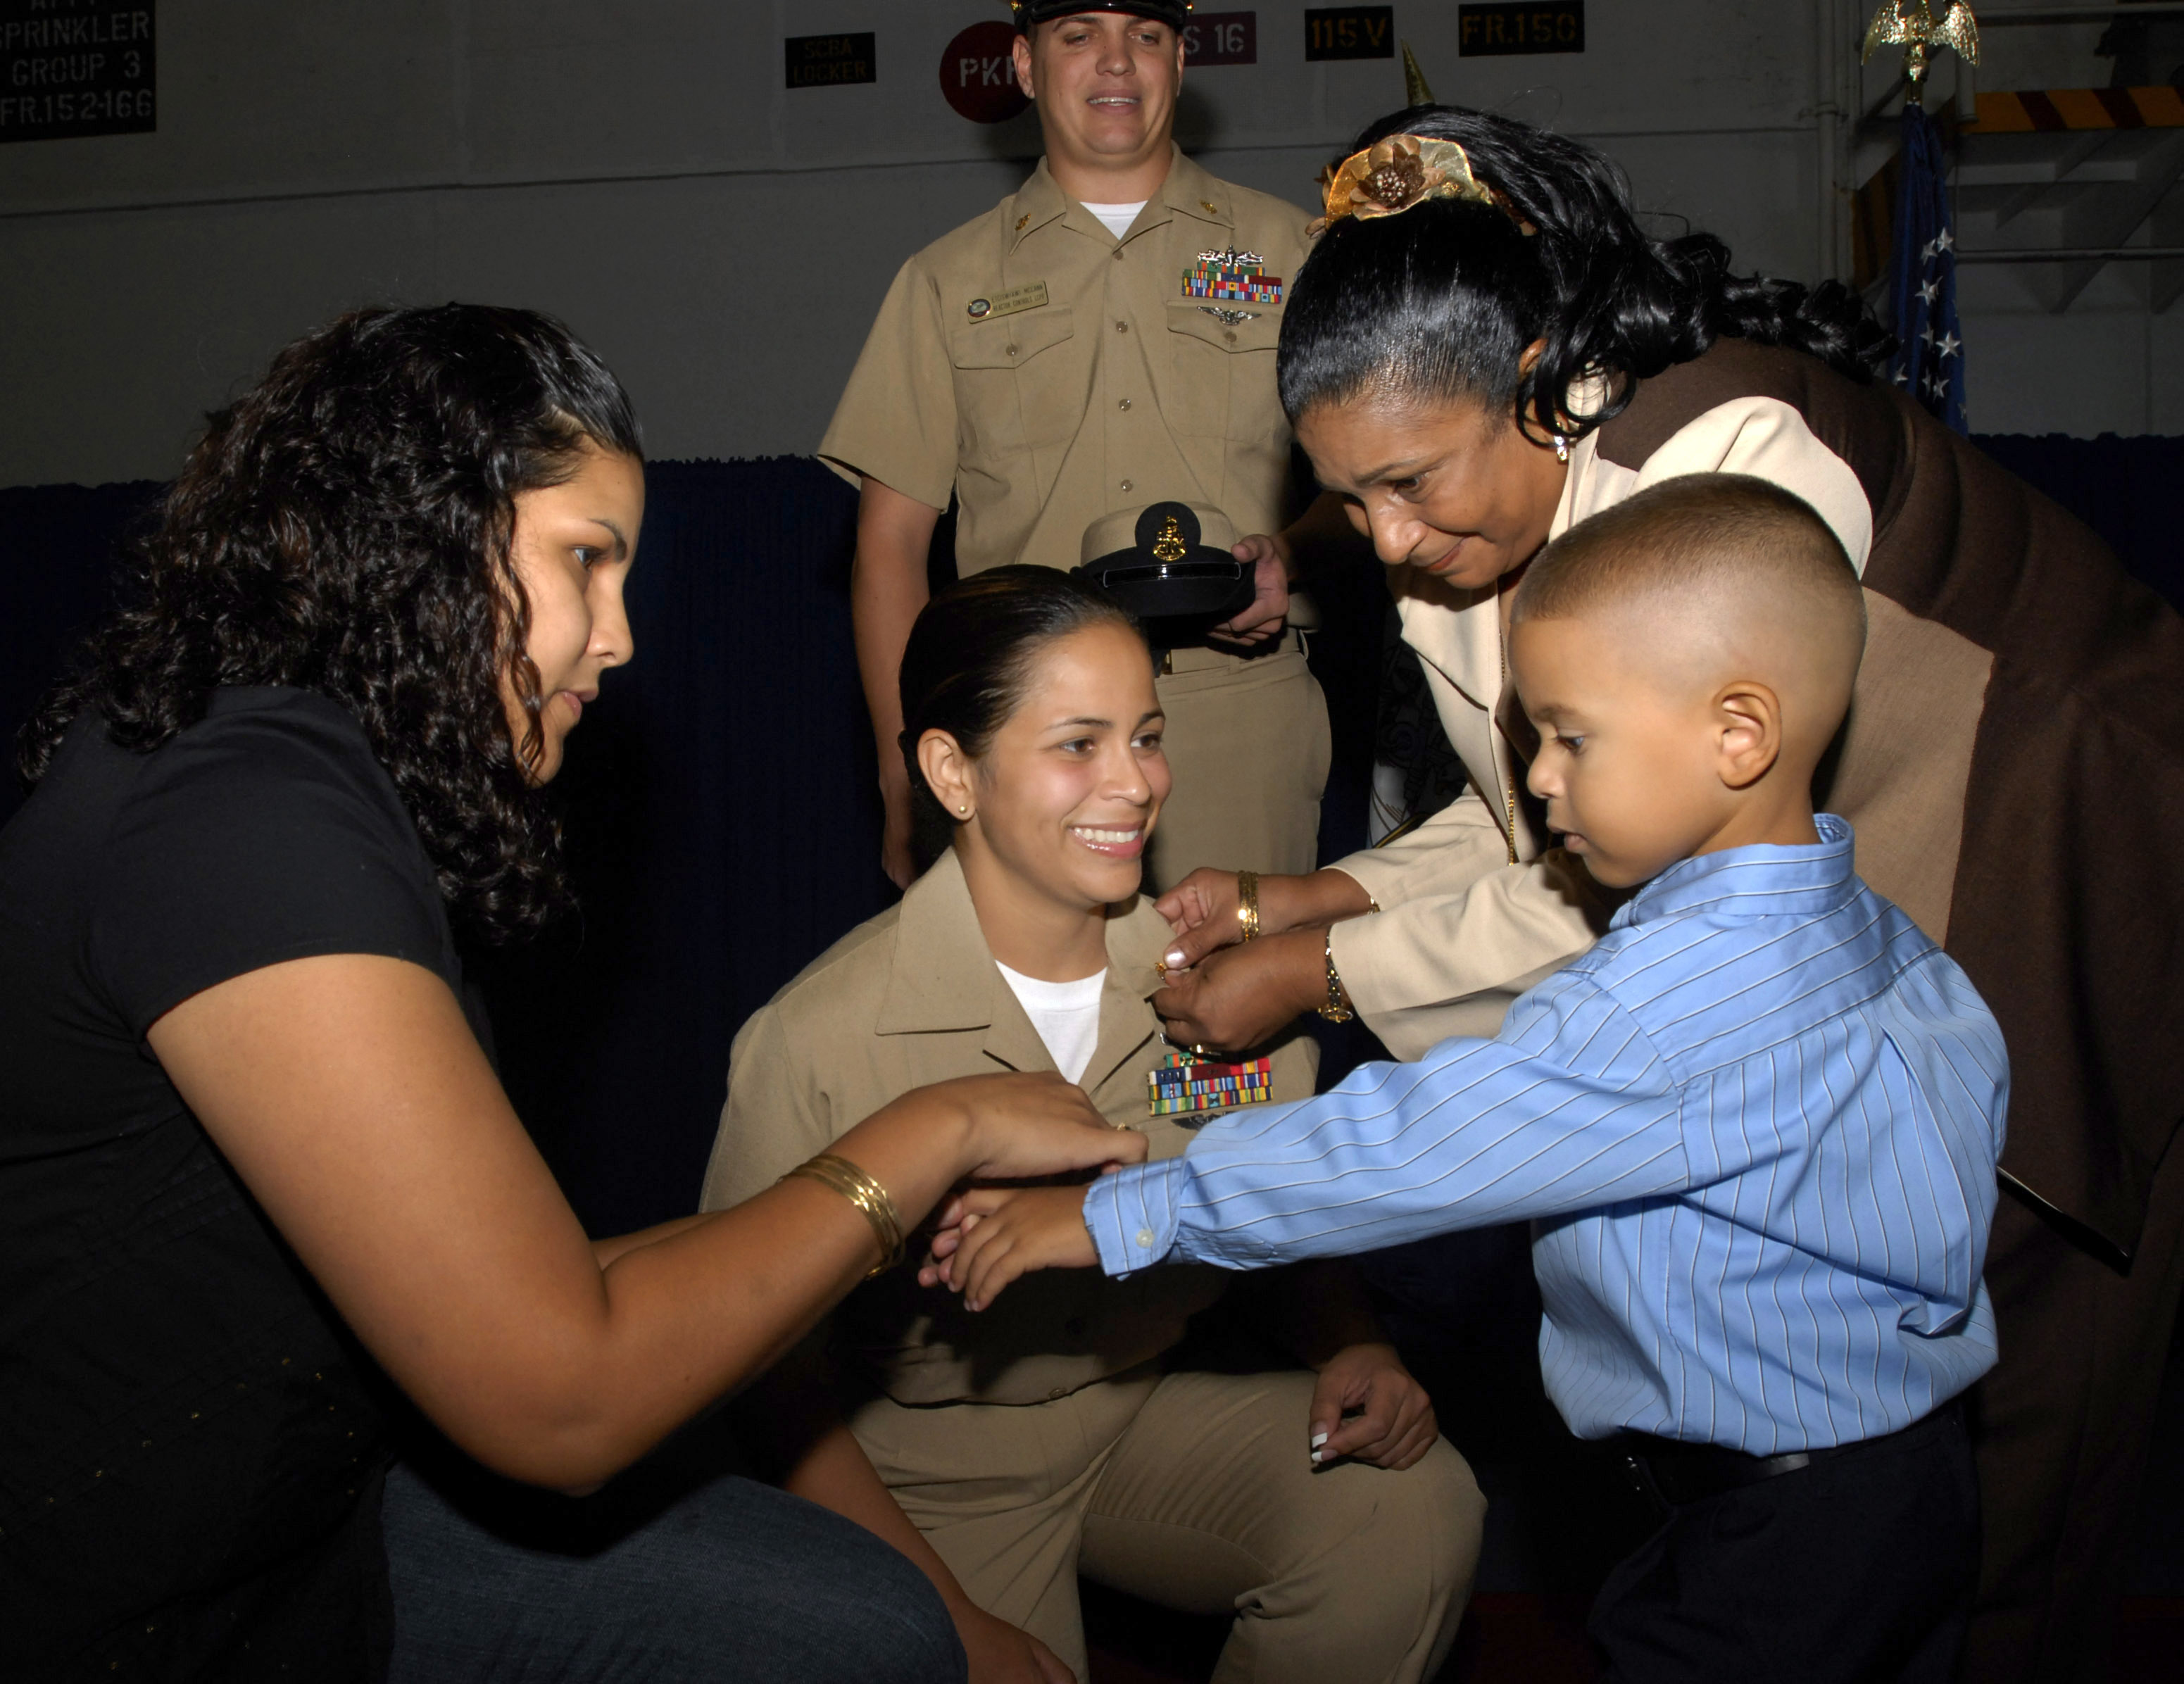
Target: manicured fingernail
(1175, 959)
(1316, 1455)
(1318, 1439)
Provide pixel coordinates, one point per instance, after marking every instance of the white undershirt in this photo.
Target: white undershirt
(1066, 1014)
(1118, 217)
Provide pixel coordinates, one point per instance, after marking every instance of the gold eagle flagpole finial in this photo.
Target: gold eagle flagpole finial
(1415, 91)
(1912, 26)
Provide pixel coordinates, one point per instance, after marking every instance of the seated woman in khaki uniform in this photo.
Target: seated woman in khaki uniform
(1066, 1431)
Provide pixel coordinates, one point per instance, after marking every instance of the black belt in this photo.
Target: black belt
(1674, 1473)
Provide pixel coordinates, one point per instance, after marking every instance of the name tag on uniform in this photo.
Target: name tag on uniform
(1180, 1082)
(1030, 295)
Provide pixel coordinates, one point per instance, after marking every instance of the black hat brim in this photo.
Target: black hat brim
(1207, 586)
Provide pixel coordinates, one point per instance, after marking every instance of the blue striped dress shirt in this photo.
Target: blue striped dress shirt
(1755, 1128)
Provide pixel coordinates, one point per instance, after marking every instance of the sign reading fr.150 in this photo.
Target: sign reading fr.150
(1537, 26)
(76, 67)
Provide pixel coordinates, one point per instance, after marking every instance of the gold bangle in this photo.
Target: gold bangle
(1247, 903)
(838, 1173)
(1335, 1011)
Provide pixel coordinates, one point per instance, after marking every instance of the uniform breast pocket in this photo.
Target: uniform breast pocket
(1002, 367)
(1221, 381)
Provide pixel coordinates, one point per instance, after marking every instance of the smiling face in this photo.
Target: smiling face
(1105, 83)
(572, 549)
(1632, 747)
(1066, 795)
(1441, 487)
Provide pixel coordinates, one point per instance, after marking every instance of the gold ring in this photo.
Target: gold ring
(1247, 903)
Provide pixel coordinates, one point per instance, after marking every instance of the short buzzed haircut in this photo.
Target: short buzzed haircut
(1690, 538)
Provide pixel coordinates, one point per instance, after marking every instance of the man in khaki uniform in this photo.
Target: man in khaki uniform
(1058, 1430)
(1104, 338)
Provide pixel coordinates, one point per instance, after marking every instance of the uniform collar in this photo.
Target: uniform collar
(942, 978)
(1189, 191)
(1767, 879)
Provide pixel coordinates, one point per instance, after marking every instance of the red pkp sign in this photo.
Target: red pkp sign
(978, 73)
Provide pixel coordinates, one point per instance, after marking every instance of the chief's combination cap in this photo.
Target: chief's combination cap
(1173, 13)
(1169, 564)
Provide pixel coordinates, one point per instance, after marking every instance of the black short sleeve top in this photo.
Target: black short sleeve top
(189, 1469)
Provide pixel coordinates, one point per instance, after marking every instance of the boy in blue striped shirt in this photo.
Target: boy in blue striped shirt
(1755, 1127)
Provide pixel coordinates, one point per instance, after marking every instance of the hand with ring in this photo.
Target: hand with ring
(1210, 910)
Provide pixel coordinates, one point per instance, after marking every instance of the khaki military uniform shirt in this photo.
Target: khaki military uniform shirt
(1114, 392)
(914, 997)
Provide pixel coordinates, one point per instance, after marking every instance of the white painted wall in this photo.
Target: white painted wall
(635, 167)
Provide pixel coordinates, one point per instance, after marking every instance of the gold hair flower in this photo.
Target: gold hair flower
(1391, 176)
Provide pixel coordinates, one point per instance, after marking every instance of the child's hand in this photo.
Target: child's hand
(988, 1236)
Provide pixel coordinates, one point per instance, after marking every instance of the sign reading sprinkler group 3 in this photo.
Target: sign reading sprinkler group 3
(69, 68)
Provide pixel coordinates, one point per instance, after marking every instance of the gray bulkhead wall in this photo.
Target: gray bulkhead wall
(640, 169)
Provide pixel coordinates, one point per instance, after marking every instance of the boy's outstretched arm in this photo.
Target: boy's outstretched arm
(990, 1235)
(1569, 1109)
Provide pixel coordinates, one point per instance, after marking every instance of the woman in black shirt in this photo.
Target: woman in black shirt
(254, 1163)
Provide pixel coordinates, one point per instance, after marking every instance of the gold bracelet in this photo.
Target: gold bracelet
(868, 1195)
(1335, 1011)
(1247, 903)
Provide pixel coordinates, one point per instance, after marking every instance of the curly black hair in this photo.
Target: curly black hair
(1441, 301)
(345, 528)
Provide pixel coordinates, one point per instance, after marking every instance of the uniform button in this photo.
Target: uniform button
(1118, 254)
(1230, 336)
(1127, 486)
(1013, 349)
(1124, 404)
(1122, 328)
(1146, 1239)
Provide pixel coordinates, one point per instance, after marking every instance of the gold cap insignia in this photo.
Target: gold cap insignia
(1169, 545)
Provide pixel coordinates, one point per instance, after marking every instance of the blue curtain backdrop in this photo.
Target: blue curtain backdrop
(721, 798)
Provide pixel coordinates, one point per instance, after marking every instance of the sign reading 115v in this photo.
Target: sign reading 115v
(76, 67)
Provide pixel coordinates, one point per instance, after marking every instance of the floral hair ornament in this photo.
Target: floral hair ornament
(1391, 175)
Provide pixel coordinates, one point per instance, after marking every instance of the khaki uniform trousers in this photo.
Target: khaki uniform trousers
(1250, 744)
(1193, 1491)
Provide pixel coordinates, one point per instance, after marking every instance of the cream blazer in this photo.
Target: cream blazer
(914, 997)
(1476, 905)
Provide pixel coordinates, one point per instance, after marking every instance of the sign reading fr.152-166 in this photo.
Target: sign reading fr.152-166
(76, 67)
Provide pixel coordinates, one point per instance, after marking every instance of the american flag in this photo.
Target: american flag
(1930, 353)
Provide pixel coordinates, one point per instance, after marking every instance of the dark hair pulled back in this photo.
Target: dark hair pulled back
(345, 528)
(970, 659)
(1440, 301)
